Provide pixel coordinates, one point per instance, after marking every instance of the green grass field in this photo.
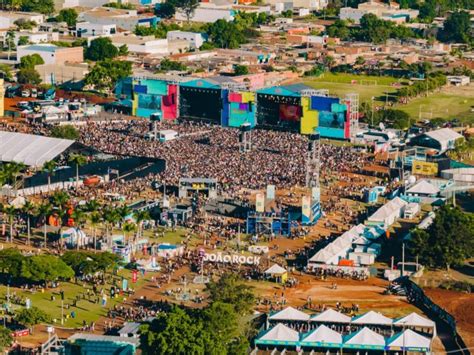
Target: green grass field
(85, 309)
(451, 102)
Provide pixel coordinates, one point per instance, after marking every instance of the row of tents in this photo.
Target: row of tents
(371, 318)
(323, 337)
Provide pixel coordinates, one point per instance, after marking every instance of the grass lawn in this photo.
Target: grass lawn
(449, 103)
(342, 84)
(85, 309)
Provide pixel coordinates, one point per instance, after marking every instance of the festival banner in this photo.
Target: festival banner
(424, 168)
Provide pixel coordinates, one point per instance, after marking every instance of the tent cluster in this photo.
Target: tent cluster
(325, 337)
(324, 334)
(358, 239)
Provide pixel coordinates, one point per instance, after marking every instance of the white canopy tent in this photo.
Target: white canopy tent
(280, 333)
(408, 339)
(289, 314)
(322, 335)
(416, 321)
(275, 270)
(372, 318)
(388, 213)
(331, 316)
(423, 188)
(366, 338)
(29, 149)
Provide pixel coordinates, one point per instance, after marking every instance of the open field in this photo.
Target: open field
(450, 102)
(341, 84)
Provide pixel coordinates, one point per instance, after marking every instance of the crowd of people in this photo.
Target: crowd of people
(201, 150)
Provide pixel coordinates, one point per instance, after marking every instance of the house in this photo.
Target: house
(208, 13)
(32, 37)
(62, 73)
(458, 80)
(52, 54)
(388, 12)
(440, 140)
(124, 19)
(7, 19)
(87, 29)
(194, 39)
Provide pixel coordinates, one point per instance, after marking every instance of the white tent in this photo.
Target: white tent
(423, 187)
(289, 314)
(372, 318)
(388, 213)
(408, 339)
(322, 256)
(275, 270)
(279, 333)
(414, 320)
(331, 316)
(366, 338)
(322, 336)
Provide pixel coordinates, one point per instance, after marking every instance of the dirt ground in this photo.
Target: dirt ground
(461, 306)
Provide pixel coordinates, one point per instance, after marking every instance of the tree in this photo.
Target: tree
(78, 160)
(24, 24)
(32, 316)
(111, 218)
(457, 28)
(127, 228)
(6, 72)
(241, 70)
(49, 168)
(28, 76)
(68, 15)
(29, 209)
(45, 268)
(65, 132)
(140, 217)
(170, 65)
(6, 338)
(165, 10)
(449, 241)
(225, 34)
(188, 7)
(10, 211)
(174, 332)
(23, 40)
(80, 262)
(44, 211)
(105, 74)
(42, 6)
(10, 41)
(230, 289)
(11, 260)
(123, 50)
(94, 219)
(101, 49)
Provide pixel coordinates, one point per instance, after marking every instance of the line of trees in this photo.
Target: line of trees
(432, 82)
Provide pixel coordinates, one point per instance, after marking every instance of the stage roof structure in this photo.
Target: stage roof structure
(290, 314)
(29, 149)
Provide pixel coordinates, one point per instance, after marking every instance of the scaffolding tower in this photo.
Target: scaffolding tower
(313, 160)
(353, 105)
(245, 138)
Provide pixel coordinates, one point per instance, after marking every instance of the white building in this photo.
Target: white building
(87, 29)
(386, 215)
(124, 19)
(208, 13)
(389, 12)
(194, 39)
(33, 37)
(64, 4)
(144, 45)
(52, 54)
(7, 19)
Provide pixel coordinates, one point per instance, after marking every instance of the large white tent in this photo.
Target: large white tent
(409, 340)
(366, 338)
(275, 269)
(331, 316)
(388, 213)
(279, 334)
(289, 314)
(372, 318)
(29, 149)
(322, 336)
(416, 321)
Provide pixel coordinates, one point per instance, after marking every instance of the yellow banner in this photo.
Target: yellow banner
(424, 168)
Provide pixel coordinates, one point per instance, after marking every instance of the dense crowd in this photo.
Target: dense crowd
(201, 150)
